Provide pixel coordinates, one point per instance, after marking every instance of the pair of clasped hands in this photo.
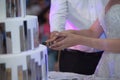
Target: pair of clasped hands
(54, 38)
(61, 40)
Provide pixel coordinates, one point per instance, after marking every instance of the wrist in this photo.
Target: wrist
(72, 31)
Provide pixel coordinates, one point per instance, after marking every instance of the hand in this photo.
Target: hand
(69, 31)
(57, 36)
(54, 37)
(68, 41)
(53, 34)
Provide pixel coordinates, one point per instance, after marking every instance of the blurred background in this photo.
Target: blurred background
(41, 8)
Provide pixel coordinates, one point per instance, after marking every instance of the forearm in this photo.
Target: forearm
(111, 45)
(58, 15)
(94, 31)
(85, 32)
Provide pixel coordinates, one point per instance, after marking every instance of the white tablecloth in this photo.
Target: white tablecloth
(64, 76)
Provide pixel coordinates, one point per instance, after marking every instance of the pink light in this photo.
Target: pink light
(69, 25)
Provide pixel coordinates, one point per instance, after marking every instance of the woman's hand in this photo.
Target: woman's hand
(68, 41)
(58, 36)
(54, 37)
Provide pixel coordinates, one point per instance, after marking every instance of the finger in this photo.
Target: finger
(56, 37)
(53, 34)
(57, 45)
(58, 48)
(51, 39)
(59, 39)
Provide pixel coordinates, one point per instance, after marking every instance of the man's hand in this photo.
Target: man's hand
(54, 37)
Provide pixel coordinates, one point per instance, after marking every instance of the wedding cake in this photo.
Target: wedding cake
(21, 56)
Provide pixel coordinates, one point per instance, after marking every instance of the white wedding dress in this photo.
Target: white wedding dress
(109, 65)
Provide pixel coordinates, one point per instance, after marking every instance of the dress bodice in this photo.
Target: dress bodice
(109, 66)
(112, 22)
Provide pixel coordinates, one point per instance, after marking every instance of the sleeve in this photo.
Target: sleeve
(58, 15)
(100, 7)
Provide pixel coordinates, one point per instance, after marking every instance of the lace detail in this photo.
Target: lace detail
(112, 20)
(108, 66)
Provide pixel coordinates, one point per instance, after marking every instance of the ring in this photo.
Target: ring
(56, 34)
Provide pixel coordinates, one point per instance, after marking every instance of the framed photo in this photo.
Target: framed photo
(35, 36)
(3, 49)
(25, 75)
(29, 68)
(9, 42)
(27, 33)
(22, 38)
(8, 74)
(29, 43)
(13, 8)
(20, 73)
(2, 72)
